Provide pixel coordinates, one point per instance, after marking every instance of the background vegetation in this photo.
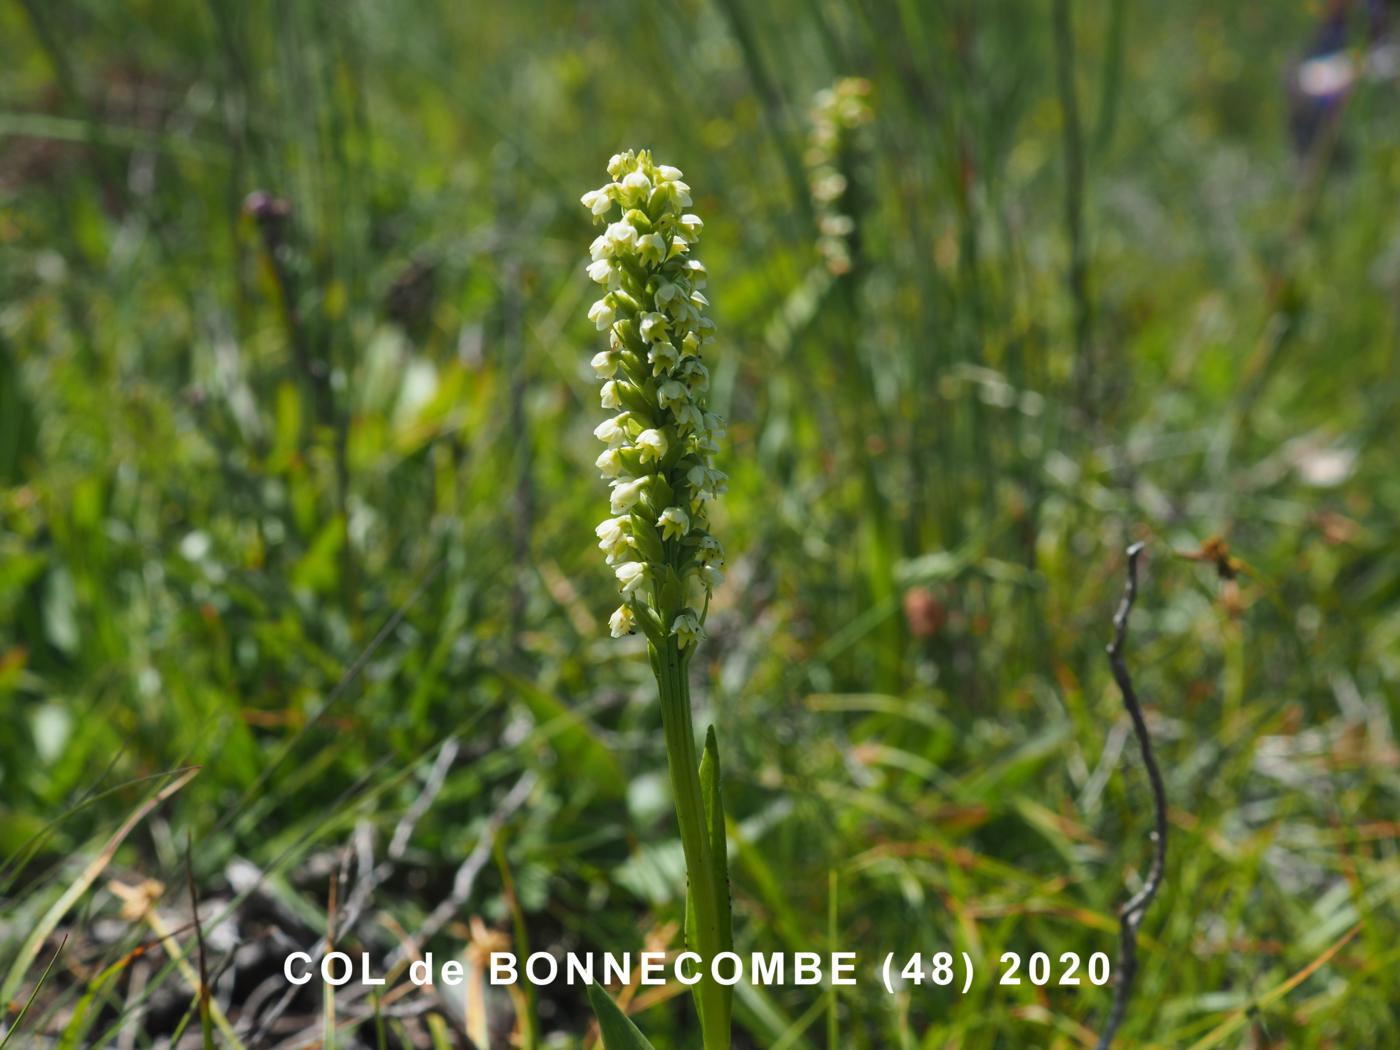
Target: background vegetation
(298, 488)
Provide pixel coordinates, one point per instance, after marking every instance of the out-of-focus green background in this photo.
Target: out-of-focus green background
(296, 485)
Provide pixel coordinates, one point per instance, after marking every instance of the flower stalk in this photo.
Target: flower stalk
(659, 463)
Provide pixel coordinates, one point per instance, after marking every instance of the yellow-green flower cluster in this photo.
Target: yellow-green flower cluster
(837, 112)
(660, 440)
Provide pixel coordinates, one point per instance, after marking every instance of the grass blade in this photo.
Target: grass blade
(19, 1019)
(61, 907)
(619, 1033)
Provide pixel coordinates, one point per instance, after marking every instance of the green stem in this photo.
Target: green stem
(684, 765)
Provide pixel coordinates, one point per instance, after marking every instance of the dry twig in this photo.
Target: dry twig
(1131, 913)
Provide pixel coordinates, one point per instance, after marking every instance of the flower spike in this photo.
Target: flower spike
(661, 443)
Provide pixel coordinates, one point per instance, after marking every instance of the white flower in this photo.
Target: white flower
(622, 621)
(706, 480)
(691, 343)
(682, 310)
(597, 201)
(653, 327)
(609, 394)
(601, 314)
(636, 186)
(689, 417)
(695, 375)
(837, 225)
(673, 523)
(620, 163)
(625, 494)
(698, 273)
(653, 444)
(666, 173)
(710, 550)
(612, 535)
(691, 226)
(706, 483)
(827, 185)
(687, 629)
(708, 437)
(610, 463)
(612, 431)
(663, 357)
(631, 574)
(604, 364)
(672, 393)
(600, 271)
(713, 577)
(621, 235)
(651, 248)
(705, 442)
(666, 292)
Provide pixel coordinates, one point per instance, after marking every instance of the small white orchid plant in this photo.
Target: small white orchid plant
(838, 114)
(659, 462)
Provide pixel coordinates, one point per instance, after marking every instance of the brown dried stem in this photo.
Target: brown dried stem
(1131, 913)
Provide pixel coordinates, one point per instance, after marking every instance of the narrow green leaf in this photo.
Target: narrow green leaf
(440, 1033)
(619, 1033)
(719, 854)
(74, 1035)
(43, 978)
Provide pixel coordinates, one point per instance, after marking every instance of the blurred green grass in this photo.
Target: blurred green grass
(242, 455)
